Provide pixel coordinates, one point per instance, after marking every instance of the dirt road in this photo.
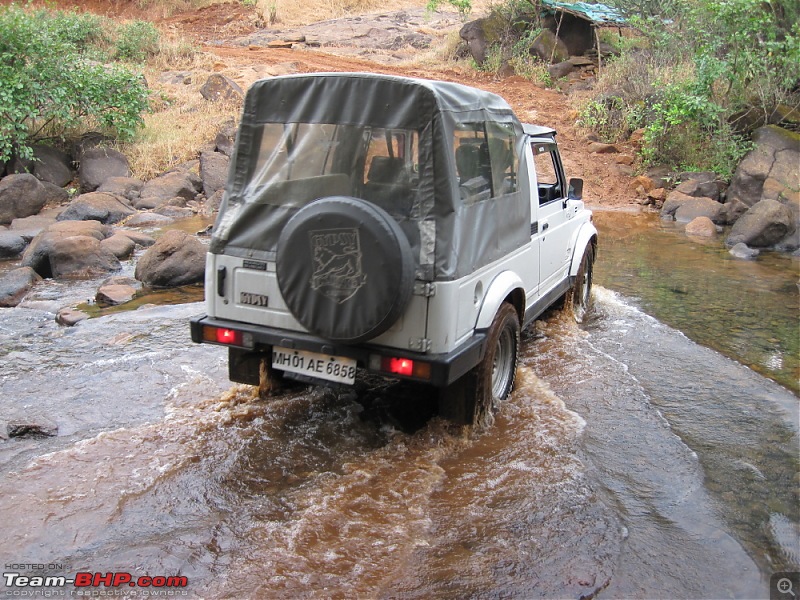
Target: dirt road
(223, 28)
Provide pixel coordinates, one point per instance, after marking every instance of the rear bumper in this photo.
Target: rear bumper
(445, 368)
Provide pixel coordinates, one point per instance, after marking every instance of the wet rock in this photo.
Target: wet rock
(15, 284)
(148, 219)
(40, 255)
(176, 259)
(698, 207)
(98, 164)
(743, 251)
(701, 227)
(158, 191)
(763, 225)
(174, 212)
(69, 317)
(80, 257)
(220, 88)
(97, 206)
(137, 237)
(119, 245)
(127, 187)
(38, 427)
(21, 196)
(11, 244)
(115, 294)
(213, 171)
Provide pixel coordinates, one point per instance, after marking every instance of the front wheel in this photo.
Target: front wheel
(580, 297)
(474, 399)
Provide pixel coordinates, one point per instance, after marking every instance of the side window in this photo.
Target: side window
(472, 162)
(546, 175)
(486, 160)
(392, 157)
(503, 157)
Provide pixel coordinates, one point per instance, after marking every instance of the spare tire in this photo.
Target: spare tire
(345, 269)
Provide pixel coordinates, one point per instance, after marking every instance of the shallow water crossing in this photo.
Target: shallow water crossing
(630, 461)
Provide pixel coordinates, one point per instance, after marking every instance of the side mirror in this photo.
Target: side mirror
(575, 188)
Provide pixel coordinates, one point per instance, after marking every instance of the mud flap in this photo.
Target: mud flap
(457, 400)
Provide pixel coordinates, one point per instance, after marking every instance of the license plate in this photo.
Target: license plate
(314, 364)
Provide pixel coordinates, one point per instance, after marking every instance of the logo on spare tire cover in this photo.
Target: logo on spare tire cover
(337, 263)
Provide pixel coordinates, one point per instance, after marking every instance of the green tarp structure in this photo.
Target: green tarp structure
(597, 14)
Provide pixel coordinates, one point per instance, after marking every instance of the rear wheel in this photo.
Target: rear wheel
(475, 397)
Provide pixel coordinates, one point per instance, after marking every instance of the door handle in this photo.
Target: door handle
(545, 226)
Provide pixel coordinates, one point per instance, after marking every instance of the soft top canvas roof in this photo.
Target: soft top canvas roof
(448, 236)
(382, 100)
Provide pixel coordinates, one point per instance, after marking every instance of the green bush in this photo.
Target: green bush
(137, 41)
(49, 85)
(701, 62)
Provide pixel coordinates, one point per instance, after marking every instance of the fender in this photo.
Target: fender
(498, 290)
(582, 239)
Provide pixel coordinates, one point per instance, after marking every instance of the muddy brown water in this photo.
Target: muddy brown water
(630, 461)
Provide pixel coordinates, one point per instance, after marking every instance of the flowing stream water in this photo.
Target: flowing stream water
(650, 452)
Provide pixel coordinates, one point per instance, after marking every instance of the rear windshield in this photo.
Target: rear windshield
(299, 162)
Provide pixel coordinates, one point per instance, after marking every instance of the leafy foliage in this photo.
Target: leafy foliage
(50, 84)
(136, 41)
(698, 63)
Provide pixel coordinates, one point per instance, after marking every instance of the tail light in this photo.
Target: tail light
(406, 367)
(220, 335)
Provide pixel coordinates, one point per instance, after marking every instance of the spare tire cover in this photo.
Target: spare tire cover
(345, 269)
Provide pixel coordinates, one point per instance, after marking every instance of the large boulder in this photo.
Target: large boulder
(39, 254)
(100, 163)
(162, 189)
(176, 259)
(763, 226)
(21, 195)
(52, 165)
(213, 171)
(474, 35)
(673, 202)
(97, 206)
(549, 48)
(15, 284)
(80, 257)
(769, 171)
